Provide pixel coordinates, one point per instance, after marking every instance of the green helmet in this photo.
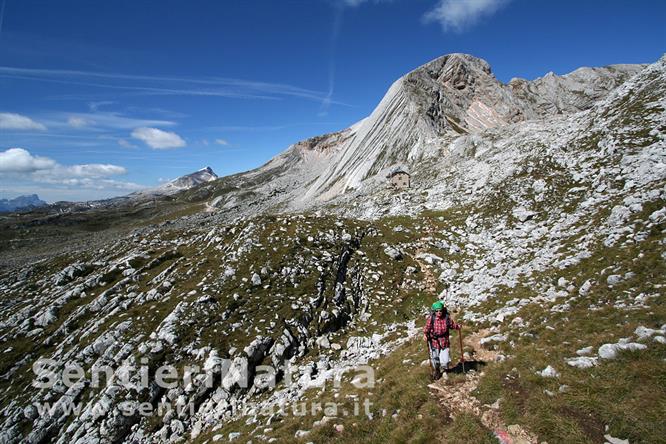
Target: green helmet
(438, 306)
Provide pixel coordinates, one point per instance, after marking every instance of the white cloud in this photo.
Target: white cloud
(92, 170)
(158, 139)
(94, 183)
(164, 85)
(18, 160)
(78, 122)
(18, 163)
(456, 15)
(95, 106)
(221, 142)
(19, 122)
(125, 144)
(355, 3)
(103, 119)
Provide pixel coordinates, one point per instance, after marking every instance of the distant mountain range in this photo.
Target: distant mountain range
(21, 203)
(180, 184)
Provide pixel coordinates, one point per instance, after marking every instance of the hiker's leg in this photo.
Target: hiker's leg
(434, 357)
(436, 373)
(444, 358)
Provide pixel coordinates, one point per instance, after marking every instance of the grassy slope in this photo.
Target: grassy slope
(627, 394)
(401, 406)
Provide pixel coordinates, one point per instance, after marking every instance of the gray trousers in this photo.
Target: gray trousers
(440, 357)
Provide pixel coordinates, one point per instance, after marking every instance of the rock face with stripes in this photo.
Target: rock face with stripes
(423, 114)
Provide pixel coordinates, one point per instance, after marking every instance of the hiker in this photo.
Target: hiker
(436, 334)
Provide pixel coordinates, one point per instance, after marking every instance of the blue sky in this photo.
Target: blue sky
(100, 98)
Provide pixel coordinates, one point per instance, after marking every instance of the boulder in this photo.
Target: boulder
(548, 372)
(644, 332)
(523, 214)
(257, 349)
(582, 362)
(608, 351)
(393, 253)
(613, 279)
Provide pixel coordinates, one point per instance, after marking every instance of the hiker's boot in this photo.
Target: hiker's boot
(436, 374)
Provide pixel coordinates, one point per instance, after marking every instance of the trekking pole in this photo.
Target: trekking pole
(432, 368)
(462, 356)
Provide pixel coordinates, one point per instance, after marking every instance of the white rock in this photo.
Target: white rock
(612, 440)
(30, 413)
(548, 372)
(608, 351)
(323, 342)
(177, 427)
(644, 332)
(196, 430)
(429, 258)
(613, 279)
(632, 346)
(494, 338)
(393, 252)
(212, 361)
(47, 317)
(582, 362)
(658, 216)
(618, 215)
(539, 186)
(584, 351)
(523, 214)
(585, 288)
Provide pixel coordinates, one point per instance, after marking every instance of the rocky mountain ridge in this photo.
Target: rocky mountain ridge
(421, 115)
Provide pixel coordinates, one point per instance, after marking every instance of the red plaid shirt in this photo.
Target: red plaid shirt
(439, 333)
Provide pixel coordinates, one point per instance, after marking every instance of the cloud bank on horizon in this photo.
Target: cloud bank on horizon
(21, 165)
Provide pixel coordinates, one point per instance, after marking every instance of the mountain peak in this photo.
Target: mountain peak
(26, 202)
(457, 59)
(189, 180)
(456, 70)
(184, 182)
